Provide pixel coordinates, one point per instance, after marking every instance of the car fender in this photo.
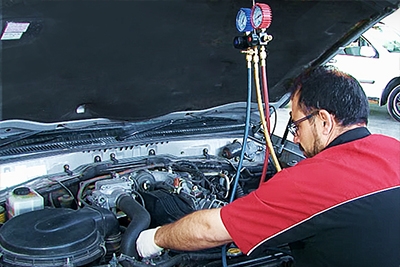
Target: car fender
(385, 94)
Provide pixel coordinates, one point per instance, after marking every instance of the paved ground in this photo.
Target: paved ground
(379, 122)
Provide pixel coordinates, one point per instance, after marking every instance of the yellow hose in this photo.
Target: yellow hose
(261, 111)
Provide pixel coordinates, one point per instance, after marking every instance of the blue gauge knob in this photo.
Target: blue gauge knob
(243, 21)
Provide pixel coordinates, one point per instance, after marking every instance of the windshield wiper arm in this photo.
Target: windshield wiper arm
(18, 137)
(136, 131)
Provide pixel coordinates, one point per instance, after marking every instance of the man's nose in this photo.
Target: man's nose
(296, 139)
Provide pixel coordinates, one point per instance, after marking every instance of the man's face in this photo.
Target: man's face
(307, 135)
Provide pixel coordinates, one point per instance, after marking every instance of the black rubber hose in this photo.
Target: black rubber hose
(140, 220)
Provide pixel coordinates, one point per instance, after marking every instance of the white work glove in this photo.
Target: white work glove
(145, 244)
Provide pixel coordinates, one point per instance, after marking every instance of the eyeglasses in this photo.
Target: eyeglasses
(293, 126)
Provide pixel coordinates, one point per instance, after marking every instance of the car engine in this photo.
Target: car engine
(93, 214)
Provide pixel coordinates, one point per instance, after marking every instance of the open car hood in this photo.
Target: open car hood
(119, 116)
(136, 60)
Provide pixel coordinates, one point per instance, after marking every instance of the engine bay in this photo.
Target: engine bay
(91, 215)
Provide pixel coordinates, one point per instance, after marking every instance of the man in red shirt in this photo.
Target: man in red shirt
(338, 207)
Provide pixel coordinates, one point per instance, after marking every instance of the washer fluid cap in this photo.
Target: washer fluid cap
(21, 191)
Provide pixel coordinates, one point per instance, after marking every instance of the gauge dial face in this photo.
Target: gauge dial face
(257, 16)
(243, 23)
(261, 16)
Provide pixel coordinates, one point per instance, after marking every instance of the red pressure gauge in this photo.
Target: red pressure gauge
(261, 16)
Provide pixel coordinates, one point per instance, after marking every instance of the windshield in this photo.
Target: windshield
(387, 37)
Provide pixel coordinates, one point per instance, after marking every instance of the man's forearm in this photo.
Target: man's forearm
(199, 230)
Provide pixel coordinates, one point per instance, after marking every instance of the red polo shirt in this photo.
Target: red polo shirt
(338, 208)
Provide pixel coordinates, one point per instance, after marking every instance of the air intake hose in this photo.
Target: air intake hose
(140, 220)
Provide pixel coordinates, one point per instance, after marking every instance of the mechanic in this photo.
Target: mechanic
(338, 207)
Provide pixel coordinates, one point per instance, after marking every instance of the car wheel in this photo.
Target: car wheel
(393, 104)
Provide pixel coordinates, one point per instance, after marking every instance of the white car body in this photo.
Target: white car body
(374, 60)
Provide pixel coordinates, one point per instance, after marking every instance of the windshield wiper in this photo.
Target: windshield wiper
(14, 131)
(18, 137)
(183, 127)
(140, 130)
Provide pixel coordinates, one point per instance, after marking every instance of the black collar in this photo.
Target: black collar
(349, 136)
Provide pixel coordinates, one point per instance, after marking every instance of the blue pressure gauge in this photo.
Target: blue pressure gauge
(243, 22)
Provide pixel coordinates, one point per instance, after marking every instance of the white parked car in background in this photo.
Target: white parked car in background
(374, 59)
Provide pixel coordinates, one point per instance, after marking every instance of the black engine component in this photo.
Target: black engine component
(165, 207)
(140, 220)
(56, 237)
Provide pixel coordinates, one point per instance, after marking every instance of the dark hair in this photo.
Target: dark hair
(339, 93)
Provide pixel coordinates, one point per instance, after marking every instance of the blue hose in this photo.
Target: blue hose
(246, 134)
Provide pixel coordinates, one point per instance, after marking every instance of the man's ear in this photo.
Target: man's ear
(327, 121)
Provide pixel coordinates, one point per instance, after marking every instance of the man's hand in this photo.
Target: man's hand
(198, 230)
(145, 245)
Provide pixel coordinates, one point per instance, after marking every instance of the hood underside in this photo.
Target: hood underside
(136, 60)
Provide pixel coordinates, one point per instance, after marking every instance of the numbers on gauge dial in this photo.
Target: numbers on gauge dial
(261, 16)
(257, 16)
(243, 20)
